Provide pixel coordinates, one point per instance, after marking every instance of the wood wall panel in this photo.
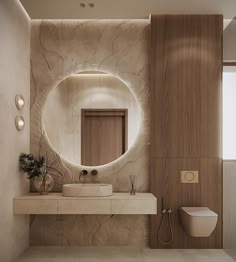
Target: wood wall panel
(186, 76)
(186, 72)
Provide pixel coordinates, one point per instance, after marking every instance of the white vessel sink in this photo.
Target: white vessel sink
(86, 190)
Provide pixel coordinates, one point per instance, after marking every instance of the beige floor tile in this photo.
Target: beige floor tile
(123, 254)
(114, 254)
(231, 252)
(161, 255)
(208, 255)
(81, 254)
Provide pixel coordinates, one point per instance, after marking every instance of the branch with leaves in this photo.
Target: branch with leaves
(35, 167)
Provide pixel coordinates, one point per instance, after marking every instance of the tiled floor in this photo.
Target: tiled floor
(122, 254)
(231, 252)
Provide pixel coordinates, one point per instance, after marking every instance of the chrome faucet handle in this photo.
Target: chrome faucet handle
(94, 172)
(84, 172)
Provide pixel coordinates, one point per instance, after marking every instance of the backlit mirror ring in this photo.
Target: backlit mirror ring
(52, 122)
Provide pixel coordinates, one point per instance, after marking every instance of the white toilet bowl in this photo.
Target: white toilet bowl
(198, 221)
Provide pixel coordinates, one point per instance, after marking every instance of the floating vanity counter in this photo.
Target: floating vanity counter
(117, 204)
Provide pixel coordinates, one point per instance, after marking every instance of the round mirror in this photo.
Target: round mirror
(91, 118)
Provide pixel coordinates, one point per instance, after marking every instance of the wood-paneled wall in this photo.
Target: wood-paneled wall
(186, 76)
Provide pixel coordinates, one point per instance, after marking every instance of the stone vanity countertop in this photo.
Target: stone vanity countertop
(120, 195)
(56, 203)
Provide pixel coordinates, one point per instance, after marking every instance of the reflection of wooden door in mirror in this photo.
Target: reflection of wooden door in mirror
(104, 135)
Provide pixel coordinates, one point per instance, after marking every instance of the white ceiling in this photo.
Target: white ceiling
(125, 9)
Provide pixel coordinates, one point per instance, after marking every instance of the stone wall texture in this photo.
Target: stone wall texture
(118, 47)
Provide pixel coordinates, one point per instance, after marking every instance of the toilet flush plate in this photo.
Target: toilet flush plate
(189, 176)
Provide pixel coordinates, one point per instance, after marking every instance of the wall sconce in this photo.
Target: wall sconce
(20, 102)
(19, 122)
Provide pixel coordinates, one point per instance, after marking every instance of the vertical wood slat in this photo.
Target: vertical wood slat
(186, 74)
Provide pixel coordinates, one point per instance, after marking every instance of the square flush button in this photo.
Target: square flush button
(189, 177)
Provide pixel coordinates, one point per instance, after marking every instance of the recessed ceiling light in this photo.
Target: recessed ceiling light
(91, 5)
(82, 4)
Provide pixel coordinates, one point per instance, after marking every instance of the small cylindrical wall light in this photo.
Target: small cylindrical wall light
(20, 102)
(19, 122)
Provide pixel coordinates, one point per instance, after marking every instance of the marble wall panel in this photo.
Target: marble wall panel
(118, 47)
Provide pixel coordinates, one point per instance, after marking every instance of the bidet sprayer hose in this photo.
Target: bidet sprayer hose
(165, 212)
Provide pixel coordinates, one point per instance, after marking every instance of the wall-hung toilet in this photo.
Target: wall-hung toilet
(198, 221)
